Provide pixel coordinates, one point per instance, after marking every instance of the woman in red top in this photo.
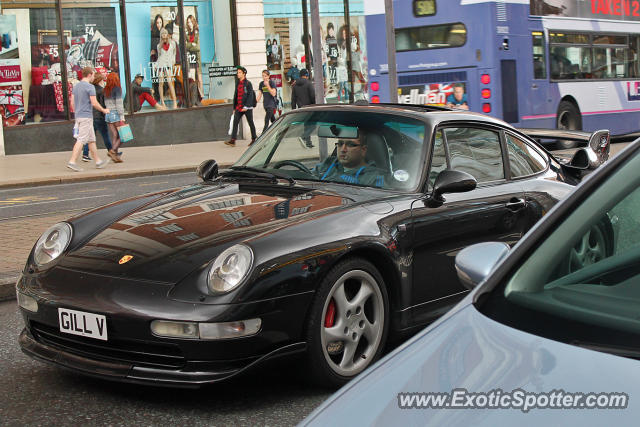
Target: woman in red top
(193, 49)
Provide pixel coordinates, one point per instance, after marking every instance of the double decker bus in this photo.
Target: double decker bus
(567, 64)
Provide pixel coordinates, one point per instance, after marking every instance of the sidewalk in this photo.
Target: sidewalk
(50, 168)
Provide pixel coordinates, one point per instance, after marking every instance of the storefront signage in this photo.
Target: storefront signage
(223, 71)
(620, 10)
(10, 73)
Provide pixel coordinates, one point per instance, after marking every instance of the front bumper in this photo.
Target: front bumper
(192, 375)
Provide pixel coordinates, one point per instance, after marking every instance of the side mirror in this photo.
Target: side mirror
(595, 153)
(450, 181)
(207, 170)
(474, 263)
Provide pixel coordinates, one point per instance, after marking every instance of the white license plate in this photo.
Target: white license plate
(82, 323)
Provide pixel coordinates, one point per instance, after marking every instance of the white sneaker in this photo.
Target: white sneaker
(102, 164)
(74, 167)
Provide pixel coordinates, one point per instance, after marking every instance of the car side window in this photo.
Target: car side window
(475, 151)
(524, 160)
(438, 159)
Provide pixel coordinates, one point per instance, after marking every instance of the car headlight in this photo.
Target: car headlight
(52, 243)
(230, 268)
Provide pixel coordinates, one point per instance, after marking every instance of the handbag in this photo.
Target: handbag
(125, 133)
(112, 117)
(230, 131)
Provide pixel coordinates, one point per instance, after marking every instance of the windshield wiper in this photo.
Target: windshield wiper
(249, 171)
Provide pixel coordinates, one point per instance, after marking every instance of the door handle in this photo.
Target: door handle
(516, 204)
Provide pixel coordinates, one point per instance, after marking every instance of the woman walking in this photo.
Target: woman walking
(115, 118)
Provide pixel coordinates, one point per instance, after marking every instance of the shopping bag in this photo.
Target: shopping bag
(230, 131)
(125, 133)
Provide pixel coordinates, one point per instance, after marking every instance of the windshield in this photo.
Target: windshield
(348, 147)
(582, 283)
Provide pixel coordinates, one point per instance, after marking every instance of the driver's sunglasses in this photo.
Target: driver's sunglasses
(349, 144)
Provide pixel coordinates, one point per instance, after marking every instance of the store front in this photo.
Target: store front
(343, 40)
(171, 45)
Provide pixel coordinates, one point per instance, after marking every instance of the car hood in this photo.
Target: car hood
(469, 350)
(184, 229)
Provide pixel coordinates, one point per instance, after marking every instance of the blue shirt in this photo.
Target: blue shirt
(82, 93)
(452, 99)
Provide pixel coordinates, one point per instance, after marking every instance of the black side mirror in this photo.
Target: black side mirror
(450, 181)
(207, 170)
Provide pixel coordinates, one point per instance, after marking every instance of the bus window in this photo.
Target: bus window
(539, 60)
(570, 62)
(430, 37)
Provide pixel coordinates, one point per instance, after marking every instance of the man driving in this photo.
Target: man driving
(351, 166)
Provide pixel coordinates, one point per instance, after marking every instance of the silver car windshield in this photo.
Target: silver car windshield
(348, 147)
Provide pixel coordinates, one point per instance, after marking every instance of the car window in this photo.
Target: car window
(438, 159)
(523, 159)
(588, 269)
(475, 151)
(357, 148)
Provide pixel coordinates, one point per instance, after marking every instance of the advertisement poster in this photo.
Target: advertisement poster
(274, 52)
(633, 91)
(619, 10)
(429, 94)
(11, 95)
(165, 71)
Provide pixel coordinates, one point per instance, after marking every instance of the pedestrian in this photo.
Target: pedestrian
(98, 117)
(84, 98)
(113, 101)
(302, 93)
(267, 88)
(244, 99)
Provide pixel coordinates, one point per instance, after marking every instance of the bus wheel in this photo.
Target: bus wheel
(568, 118)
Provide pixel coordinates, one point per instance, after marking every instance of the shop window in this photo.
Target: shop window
(30, 86)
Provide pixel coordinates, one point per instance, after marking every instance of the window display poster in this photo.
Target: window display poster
(274, 52)
(11, 99)
(164, 57)
(334, 55)
(90, 41)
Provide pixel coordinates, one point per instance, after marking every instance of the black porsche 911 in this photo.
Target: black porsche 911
(334, 233)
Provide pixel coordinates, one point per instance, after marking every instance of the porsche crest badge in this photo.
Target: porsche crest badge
(125, 259)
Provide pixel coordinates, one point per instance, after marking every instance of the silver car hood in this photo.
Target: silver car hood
(471, 351)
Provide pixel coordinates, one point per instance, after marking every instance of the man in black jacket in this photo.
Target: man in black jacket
(302, 93)
(244, 99)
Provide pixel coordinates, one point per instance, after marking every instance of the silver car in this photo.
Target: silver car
(550, 337)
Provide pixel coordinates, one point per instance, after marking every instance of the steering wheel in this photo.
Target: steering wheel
(292, 163)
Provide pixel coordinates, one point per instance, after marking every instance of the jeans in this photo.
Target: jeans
(237, 115)
(270, 116)
(101, 126)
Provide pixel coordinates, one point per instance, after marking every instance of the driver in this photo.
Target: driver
(350, 166)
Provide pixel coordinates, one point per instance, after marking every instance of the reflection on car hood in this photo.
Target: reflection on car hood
(179, 232)
(471, 351)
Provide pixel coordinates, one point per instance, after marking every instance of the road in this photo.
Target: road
(34, 393)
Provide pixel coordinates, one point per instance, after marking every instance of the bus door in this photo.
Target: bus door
(539, 82)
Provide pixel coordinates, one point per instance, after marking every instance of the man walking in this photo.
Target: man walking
(302, 93)
(244, 99)
(84, 98)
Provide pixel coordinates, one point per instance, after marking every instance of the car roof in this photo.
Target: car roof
(433, 114)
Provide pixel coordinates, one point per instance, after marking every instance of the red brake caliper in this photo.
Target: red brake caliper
(330, 317)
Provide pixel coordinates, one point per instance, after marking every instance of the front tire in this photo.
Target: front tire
(348, 322)
(568, 118)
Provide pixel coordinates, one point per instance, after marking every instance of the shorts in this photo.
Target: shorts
(86, 134)
(112, 117)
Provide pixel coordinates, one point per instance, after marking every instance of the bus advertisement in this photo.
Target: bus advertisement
(567, 64)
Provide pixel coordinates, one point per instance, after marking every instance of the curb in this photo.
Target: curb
(36, 182)
(8, 286)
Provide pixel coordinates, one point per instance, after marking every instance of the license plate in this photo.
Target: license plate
(82, 323)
